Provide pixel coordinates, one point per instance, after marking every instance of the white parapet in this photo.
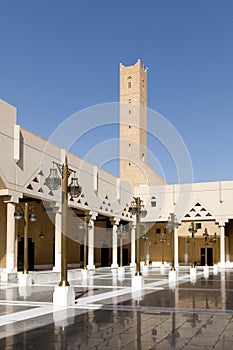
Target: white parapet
(63, 296)
(137, 282)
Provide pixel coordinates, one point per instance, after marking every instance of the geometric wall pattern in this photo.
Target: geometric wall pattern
(198, 212)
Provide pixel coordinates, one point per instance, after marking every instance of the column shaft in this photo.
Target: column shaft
(10, 239)
(133, 237)
(57, 265)
(222, 246)
(91, 229)
(176, 248)
(114, 246)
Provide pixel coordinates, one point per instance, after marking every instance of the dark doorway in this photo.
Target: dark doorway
(53, 251)
(31, 249)
(209, 256)
(125, 256)
(105, 256)
(82, 255)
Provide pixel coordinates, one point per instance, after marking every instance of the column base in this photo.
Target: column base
(114, 266)
(25, 279)
(25, 291)
(64, 317)
(172, 275)
(11, 270)
(56, 269)
(206, 271)
(90, 267)
(63, 296)
(215, 268)
(145, 269)
(137, 294)
(193, 272)
(137, 282)
(133, 265)
(172, 284)
(7, 275)
(85, 274)
(121, 271)
(162, 269)
(4, 276)
(221, 265)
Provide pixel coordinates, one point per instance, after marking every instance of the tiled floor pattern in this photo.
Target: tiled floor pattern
(108, 315)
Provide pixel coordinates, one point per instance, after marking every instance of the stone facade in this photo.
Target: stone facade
(24, 169)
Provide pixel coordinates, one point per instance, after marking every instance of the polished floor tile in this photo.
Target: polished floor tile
(189, 315)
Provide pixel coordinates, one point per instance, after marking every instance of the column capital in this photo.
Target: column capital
(115, 220)
(11, 196)
(93, 215)
(222, 223)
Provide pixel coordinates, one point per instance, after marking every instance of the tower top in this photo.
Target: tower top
(138, 63)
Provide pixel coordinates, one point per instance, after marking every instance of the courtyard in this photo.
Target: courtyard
(185, 314)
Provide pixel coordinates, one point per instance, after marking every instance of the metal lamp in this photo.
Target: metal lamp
(74, 188)
(172, 224)
(19, 214)
(137, 208)
(53, 182)
(193, 230)
(205, 235)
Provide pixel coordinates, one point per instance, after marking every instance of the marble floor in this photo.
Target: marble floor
(189, 315)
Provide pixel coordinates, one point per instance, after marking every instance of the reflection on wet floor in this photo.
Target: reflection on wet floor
(190, 315)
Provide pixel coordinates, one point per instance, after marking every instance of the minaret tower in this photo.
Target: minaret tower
(133, 126)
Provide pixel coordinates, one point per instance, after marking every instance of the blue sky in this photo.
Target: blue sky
(58, 57)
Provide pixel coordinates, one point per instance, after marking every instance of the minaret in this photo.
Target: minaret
(133, 126)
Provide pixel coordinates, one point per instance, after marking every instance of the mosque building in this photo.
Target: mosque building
(173, 213)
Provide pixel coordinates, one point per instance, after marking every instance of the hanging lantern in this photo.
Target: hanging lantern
(133, 207)
(53, 181)
(74, 188)
(33, 217)
(18, 214)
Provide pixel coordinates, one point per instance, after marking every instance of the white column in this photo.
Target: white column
(10, 239)
(57, 265)
(223, 290)
(114, 247)
(91, 229)
(186, 257)
(133, 237)
(176, 248)
(222, 246)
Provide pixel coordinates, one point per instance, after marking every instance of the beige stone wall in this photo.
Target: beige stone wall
(43, 247)
(185, 246)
